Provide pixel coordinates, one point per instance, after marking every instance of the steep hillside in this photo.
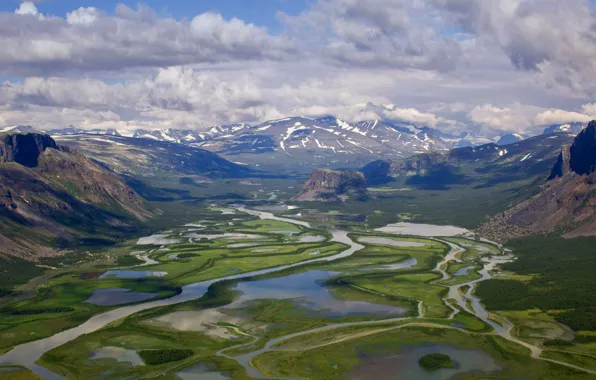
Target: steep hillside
(50, 195)
(565, 205)
(333, 186)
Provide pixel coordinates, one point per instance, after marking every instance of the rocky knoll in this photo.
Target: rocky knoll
(333, 186)
(566, 204)
(50, 195)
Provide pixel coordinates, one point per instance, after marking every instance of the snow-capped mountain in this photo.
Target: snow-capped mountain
(20, 129)
(510, 138)
(575, 128)
(467, 139)
(303, 142)
(327, 135)
(77, 131)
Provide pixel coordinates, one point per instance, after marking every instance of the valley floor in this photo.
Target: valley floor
(241, 293)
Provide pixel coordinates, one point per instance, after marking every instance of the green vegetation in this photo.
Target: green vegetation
(562, 280)
(160, 356)
(17, 373)
(433, 362)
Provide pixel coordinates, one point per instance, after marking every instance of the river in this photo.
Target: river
(28, 353)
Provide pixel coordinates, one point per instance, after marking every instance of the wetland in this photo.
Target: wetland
(256, 294)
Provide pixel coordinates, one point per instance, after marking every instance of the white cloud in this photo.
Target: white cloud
(82, 16)
(490, 66)
(555, 116)
(525, 118)
(378, 33)
(551, 37)
(28, 8)
(87, 40)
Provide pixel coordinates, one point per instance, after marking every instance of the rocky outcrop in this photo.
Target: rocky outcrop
(51, 195)
(333, 186)
(566, 204)
(24, 148)
(563, 165)
(582, 153)
(381, 171)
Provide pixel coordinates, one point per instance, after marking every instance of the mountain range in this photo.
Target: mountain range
(299, 144)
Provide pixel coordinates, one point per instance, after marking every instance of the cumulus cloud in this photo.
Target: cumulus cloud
(526, 118)
(82, 16)
(28, 8)
(485, 66)
(554, 37)
(378, 33)
(90, 40)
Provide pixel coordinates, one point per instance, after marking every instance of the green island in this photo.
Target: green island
(434, 362)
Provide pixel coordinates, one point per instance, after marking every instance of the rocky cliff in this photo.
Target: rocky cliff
(50, 195)
(565, 205)
(24, 148)
(333, 186)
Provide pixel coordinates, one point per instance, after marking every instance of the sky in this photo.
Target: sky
(488, 67)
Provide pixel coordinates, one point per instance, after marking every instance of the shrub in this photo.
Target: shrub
(155, 357)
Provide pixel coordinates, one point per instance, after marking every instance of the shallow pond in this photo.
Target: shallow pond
(464, 271)
(275, 208)
(227, 235)
(200, 372)
(311, 239)
(132, 274)
(117, 353)
(416, 229)
(404, 366)
(401, 265)
(159, 239)
(244, 245)
(395, 243)
(112, 297)
(306, 290)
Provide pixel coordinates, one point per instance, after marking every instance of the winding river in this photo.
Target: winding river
(27, 354)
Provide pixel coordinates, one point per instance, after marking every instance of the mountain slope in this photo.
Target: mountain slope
(51, 195)
(565, 128)
(484, 165)
(566, 204)
(140, 157)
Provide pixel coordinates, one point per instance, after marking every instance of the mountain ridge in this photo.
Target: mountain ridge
(566, 203)
(50, 195)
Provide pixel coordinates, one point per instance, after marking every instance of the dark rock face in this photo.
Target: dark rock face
(24, 148)
(333, 186)
(377, 172)
(562, 166)
(583, 151)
